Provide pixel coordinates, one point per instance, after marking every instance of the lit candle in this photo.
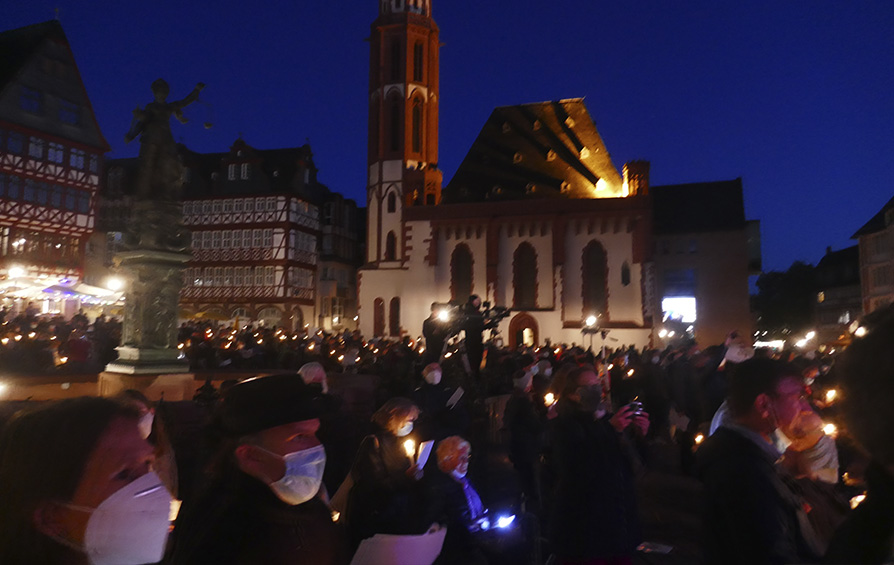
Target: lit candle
(550, 399)
(410, 448)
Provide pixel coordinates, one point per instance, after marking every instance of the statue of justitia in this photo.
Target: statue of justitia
(158, 176)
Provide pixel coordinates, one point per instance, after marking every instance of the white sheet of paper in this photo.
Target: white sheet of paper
(385, 549)
(424, 452)
(454, 398)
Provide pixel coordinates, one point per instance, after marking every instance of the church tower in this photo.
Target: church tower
(403, 123)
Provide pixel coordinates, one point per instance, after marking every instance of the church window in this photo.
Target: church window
(524, 277)
(417, 126)
(378, 317)
(461, 273)
(395, 59)
(395, 125)
(390, 247)
(394, 317)
(625, 274)
(417, 62)
(392, 202)
(595, 271)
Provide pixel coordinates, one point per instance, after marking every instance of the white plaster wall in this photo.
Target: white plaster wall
(391, 221)
(542, 246)
(624, 302)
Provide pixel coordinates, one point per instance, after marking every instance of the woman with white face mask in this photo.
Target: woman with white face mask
(386, 496)
(76, 487)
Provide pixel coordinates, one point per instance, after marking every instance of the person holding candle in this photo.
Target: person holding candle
(387, 496)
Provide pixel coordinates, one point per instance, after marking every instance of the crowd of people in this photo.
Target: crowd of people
(35, 344)
(301, 467)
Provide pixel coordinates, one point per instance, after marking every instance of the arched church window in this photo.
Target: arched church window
(461, 273)
(595, 281)
(417, 126)
(395, 125)
(390, 246)
(394, 317)
(524, 277)
(625, 274)
(378, 317)
(392, 202)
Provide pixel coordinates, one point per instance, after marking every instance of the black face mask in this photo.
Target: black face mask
(590, 397)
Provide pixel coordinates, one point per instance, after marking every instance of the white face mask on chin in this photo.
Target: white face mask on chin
(405, 429)
(433, 377)
(129, 527)
(303, 476)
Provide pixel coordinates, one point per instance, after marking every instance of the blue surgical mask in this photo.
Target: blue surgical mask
(303, 475)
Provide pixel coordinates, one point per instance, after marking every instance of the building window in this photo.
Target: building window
(94, 166)
(595, 279)
(56, 153)
(226, 239)
(461, 273)
(15, 143)
(417, 62)
(227, 206)
(249, 205)
(237, 206)
(228, 276)
(258, 239)
(395, 125)
(246, 239)
(524, 277)
(215, 240)
(625, 274)
(243, 171)
(68, 112)
(35, 148)
(269, 278)
(417, 126)
(76, 159)
(392, 202)
(31, 100)
(268, 238)
(394, 317)
(231, 172)
(378, 317)
(390, 246)
(215, 207)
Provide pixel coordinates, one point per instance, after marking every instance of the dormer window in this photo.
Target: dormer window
(244, 171)
(231, 172)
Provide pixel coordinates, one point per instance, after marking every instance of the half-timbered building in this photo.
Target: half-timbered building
(50, 156)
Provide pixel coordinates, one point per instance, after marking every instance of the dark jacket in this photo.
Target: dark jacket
(239, 520)
(867, 535)
(525, 427)
(751, 515)
(437, 420)
(594, 513)
(384, 499)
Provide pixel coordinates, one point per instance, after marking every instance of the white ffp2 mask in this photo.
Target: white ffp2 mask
(129, 527)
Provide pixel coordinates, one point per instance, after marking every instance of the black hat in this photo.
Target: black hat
(266, 402)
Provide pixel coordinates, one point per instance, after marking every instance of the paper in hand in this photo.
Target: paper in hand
(424, 452)
(454, 398)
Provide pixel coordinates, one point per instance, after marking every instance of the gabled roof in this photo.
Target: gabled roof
(877, 222)
(18, 49)
(539, 150)
(839, 268)
(698, 207)
(18, 45)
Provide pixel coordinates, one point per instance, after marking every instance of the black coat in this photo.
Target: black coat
(384, 499)
(239, 520)
(594, 512)
(752, 516)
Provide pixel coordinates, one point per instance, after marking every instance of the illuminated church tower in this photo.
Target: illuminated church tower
(403, 124)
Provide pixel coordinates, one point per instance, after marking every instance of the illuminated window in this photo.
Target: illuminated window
(76, 159)
(55, 153)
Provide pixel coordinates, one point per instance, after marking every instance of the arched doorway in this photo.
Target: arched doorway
(523, 330)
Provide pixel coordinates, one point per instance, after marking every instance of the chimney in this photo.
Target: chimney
(636, 177)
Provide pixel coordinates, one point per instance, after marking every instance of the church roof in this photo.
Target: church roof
(698, 207)
(539, 150)
(877, 222)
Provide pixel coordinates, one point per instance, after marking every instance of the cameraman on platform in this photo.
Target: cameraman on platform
(435, 332)
(474, 327)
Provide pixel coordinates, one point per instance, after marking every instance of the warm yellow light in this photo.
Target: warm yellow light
(335, 516)
(16, 272)
(114, 284)
(591, 320)
(2, 389)
(410, 448)
(549, 399)
(18, 338)
(662, 333)
(630, 373)
(444, 315)
(830, 429)
(341, 358)
(310, 347)
(855, 501)
(4, 341)
(332, 352)
(699, 439)
(63, 359)
(31, 335)
(810, 335)
(448, 354)
(831, 394)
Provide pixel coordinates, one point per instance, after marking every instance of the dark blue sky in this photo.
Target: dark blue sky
(795, 97)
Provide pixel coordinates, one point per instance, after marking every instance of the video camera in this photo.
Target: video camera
(456, 317)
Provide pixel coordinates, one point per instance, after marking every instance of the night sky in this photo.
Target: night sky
(795, 97)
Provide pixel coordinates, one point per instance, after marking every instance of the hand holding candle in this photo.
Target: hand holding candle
(410, 448)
